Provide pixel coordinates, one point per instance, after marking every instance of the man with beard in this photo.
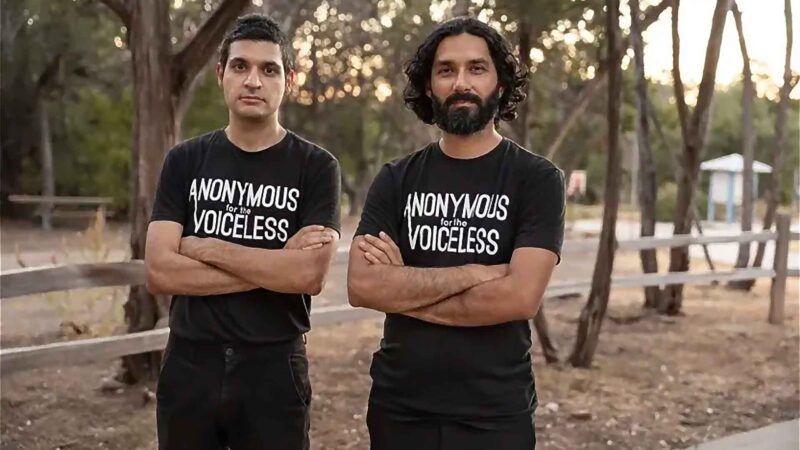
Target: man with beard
(456, 244)
(243, 231)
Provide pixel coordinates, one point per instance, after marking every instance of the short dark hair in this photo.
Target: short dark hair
(257, 27)
(511, 75)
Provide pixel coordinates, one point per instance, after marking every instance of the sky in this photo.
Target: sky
(765, 35)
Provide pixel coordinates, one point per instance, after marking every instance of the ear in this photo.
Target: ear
(291, 78)
(220, 72)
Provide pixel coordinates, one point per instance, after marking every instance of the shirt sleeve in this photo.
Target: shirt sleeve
(541, 218)
(172, 194)
(320, 204)
(381, 211)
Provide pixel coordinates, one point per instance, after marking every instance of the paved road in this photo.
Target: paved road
(778, 436)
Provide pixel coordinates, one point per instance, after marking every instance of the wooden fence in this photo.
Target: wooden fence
(58, 278)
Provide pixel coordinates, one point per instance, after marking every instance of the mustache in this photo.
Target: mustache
(462, 96)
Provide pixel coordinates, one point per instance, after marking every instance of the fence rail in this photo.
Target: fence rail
(56, 278)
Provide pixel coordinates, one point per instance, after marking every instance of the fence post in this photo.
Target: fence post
(777, 292)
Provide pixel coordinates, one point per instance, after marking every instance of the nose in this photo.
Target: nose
(253, 81)
(462, 83)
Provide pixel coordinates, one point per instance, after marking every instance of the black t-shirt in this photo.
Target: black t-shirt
(257, 199)
(444, 212)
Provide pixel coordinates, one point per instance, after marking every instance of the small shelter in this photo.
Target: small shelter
(725, 184)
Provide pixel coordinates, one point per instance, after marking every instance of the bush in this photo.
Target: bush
(667, 198)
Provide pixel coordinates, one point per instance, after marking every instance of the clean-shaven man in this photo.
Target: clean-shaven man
(243, 230)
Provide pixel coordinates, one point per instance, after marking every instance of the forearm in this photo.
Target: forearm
(175, 274)
(491, 303)
(393, 289)
(287, 271)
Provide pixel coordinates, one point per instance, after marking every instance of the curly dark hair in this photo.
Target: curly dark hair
(257, 27)
(511, 75)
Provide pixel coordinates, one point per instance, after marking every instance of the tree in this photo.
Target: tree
(592, 314)
(693, 133)
(647, 170)
(162, 83)
(771, 193)
(590, 87)
(48, 49)
(748, 147)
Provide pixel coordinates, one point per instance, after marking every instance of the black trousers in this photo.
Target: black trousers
(237, 396)
(392, 431)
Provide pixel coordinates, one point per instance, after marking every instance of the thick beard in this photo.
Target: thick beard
(463, 121)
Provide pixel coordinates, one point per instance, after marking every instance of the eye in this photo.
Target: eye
(238, 66)
(478, 69)
(270, 71)
(444, 71)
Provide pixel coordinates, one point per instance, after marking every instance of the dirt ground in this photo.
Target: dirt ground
(656, 382)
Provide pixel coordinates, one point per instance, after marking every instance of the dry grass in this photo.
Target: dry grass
(656, 383)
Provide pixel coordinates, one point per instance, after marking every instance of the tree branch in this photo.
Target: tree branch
(45, 80)
(122, 9)
(706, 93)
(677, 80)
(187, 62)
(589, 88)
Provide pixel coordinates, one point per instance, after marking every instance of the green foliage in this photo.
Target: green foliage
(667, 199)
(98, 161)
(91, 104)
(208, 110)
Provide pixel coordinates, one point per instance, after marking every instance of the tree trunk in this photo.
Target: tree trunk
(748, 145)
(549, 349)
(46, 155)
(774, 179)
(460, 8)
(162, 83)
(693, 131)
(525, 61)
(591, 87)
(591, 318)
(647, 169)
(674, 164)
(153, 134)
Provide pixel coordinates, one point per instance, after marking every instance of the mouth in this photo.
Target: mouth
(461, 103)
(251, 99)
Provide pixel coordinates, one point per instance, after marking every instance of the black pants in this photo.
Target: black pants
(390, 431)
(237, 396)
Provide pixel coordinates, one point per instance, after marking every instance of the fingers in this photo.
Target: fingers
(315, 237)
(313, 247)
(396, 256)
(310, 228)
(371, 259)
(306, 230)
(377, 242)
(377, 253)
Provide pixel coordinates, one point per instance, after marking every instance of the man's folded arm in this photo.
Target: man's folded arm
(293, 271)
(169, 272)
(395, 288)
(516, 296)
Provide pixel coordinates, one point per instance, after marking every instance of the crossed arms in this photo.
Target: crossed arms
(209, 266)
(469, 295)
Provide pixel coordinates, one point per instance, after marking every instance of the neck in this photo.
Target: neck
(254, 135)
(470, 146)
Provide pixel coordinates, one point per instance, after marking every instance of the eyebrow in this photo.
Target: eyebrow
(448, 62)
(239, 59)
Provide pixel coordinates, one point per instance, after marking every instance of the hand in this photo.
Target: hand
(309, 238)
(381, 250)
(487, 273)
(194, 247)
